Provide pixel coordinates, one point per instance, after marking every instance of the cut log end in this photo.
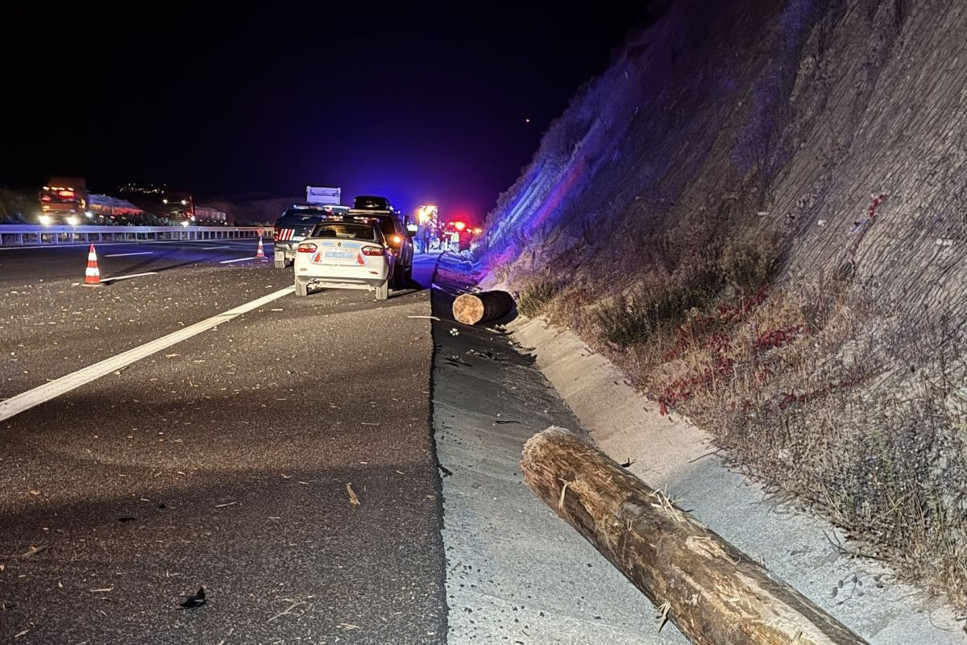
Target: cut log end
(473, 308)
(468, 309)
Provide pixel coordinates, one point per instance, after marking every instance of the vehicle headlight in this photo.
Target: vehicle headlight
(46, 220)
(73, 220)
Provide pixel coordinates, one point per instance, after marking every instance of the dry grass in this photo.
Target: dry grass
(810, 389)
(535, 296)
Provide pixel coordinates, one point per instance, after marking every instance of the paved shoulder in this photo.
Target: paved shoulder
(516, 573)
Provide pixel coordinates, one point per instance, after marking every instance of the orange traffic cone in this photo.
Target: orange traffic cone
(260, 254)
(92, 277)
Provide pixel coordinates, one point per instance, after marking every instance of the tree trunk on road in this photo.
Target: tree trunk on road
(714, 593)
(471, 308)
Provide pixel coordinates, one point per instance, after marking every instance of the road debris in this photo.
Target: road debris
(352, 495)
(193, 602)
(33, 550)
(287, 610)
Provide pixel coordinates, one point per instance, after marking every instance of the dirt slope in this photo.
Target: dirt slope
(757, 212)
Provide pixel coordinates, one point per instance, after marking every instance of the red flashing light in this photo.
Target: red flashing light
(459, 225)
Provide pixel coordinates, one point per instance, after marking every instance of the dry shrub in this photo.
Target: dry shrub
(630, 321)
(535, 295)
(824, 398)
(812, 390)
(855, 415)
(749, 267)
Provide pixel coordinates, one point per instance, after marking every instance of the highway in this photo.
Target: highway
(275, 450)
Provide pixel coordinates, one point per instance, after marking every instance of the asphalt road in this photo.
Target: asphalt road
(232, 460)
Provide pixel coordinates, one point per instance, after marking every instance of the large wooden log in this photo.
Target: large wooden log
(472, 308)
(714, 593)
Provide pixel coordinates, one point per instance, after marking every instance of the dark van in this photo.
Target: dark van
(295, 224)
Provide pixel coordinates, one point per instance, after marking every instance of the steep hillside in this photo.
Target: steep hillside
(757, 212)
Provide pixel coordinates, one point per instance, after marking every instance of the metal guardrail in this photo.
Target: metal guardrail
(31, 235)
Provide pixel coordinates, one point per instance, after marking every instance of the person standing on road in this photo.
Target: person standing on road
(423, 238)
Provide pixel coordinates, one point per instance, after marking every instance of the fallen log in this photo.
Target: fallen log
(714, 593)
(472, 308)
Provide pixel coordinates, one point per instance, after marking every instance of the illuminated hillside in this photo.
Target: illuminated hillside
(757, 213)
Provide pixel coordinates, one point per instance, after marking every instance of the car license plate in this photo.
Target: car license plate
(338, 254)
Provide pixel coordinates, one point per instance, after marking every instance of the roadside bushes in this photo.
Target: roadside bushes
(661, 305)
(823, 397)
(535, 295)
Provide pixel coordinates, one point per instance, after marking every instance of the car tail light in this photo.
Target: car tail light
(306, 247)
(370, 250)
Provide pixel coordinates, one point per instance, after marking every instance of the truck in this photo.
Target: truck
(209, 216)
(63, 200)
(321, 195)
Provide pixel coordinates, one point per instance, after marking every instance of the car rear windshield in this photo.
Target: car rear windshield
(346, 230)
(298, 220)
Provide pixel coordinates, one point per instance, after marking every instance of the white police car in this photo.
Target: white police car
(351, 254)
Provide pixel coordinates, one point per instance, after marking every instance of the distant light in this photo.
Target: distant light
(427, 213)
(46, 220)
(73, 220)
(527, 120)
(185, 223)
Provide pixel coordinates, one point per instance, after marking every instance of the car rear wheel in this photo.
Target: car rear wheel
(301, 288)
(382, 291)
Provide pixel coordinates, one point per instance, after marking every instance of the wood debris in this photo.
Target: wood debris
(352, 495)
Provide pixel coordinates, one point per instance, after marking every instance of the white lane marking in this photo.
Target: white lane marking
(212, 248)
(124, 255)
(125, 277)
(19, 403)
(240, 260)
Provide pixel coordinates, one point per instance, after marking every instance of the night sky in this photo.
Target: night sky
(423, 104)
